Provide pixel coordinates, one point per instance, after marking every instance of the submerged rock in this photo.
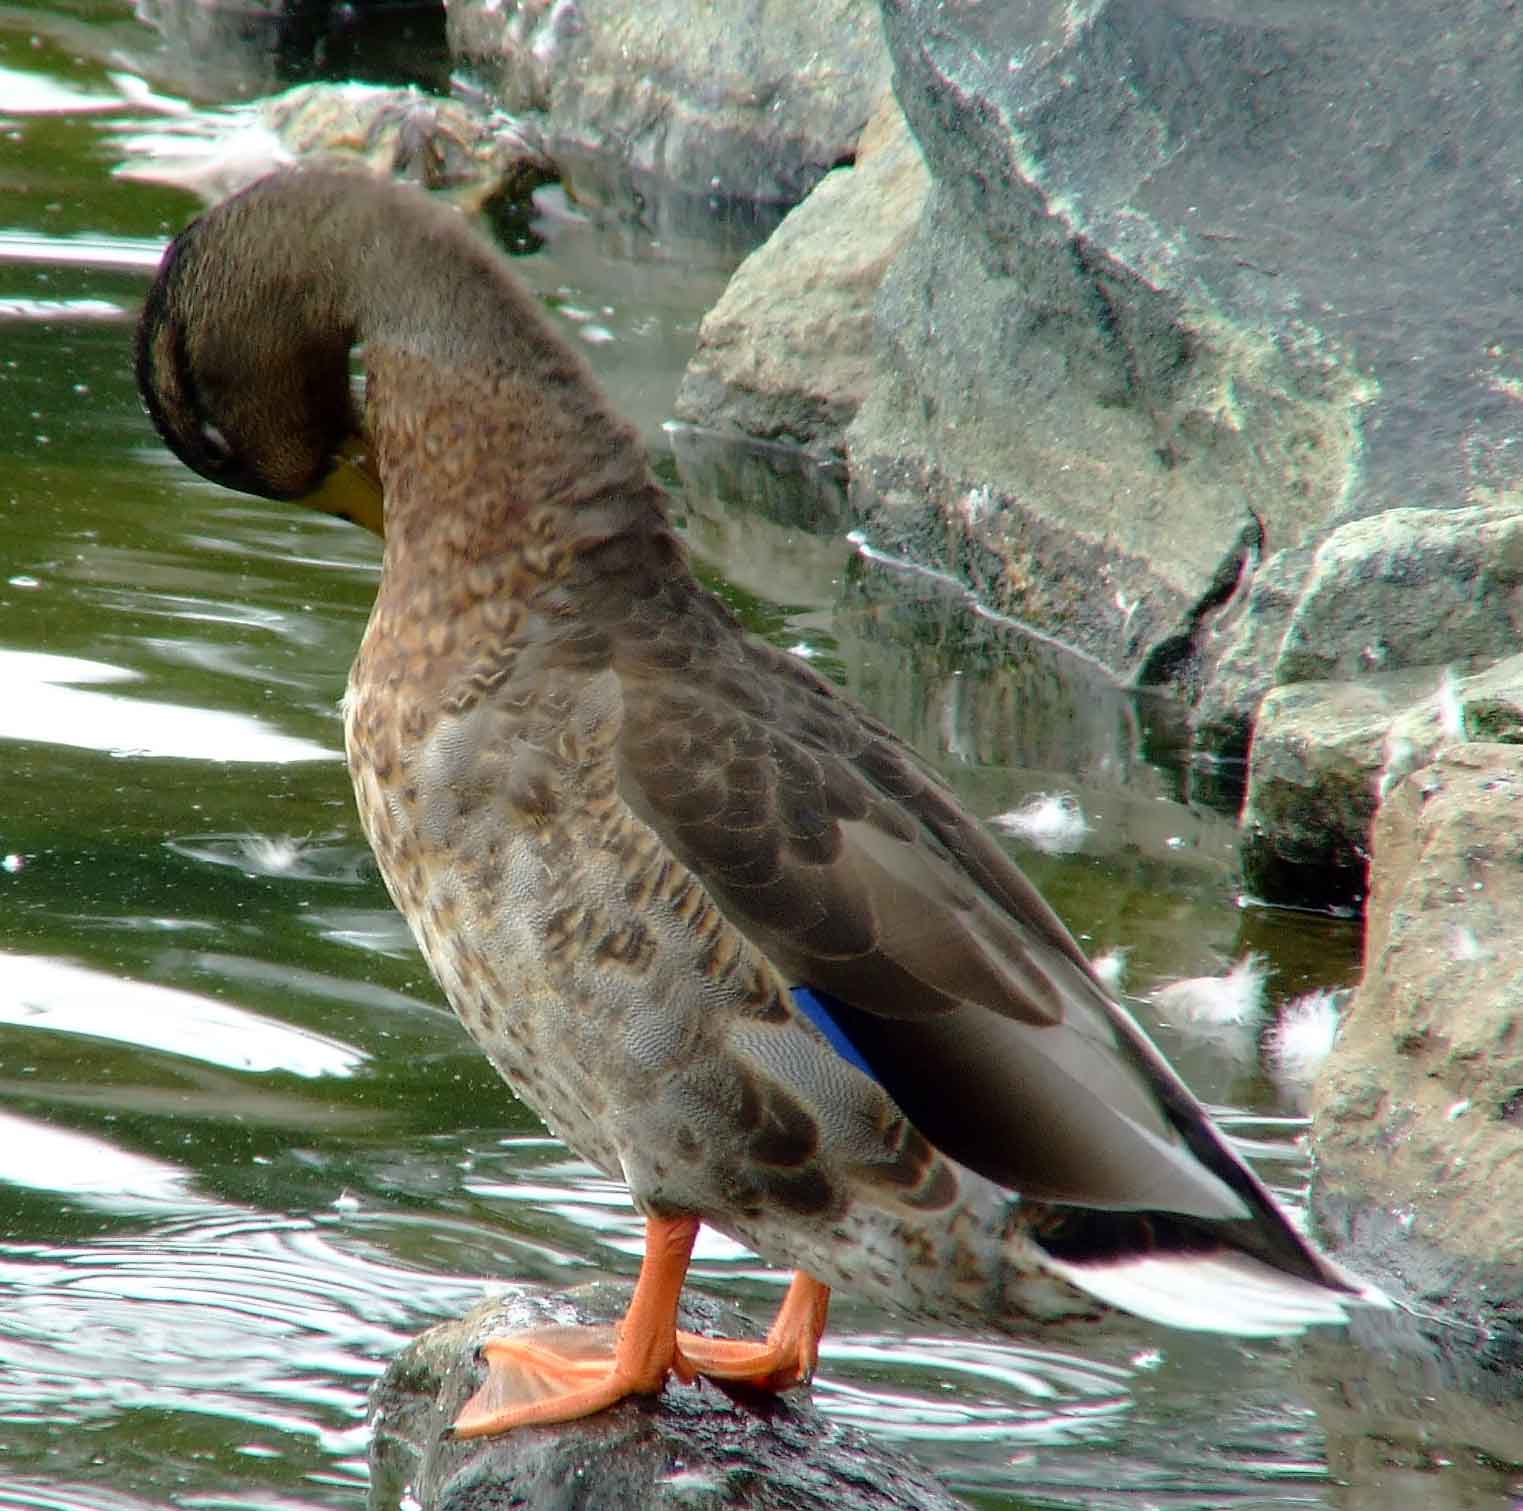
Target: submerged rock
(402, 133)
(695, 1448)
(742, 101)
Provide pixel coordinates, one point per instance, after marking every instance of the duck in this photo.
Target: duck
(719, 927)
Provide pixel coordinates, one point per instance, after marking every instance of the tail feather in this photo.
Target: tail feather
(1224, 1291)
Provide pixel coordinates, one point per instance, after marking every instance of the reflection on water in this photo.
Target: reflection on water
(59, 998)
(244, 1153)
(123, 253)
(40, 700)
(35, 94)
(41, 1157)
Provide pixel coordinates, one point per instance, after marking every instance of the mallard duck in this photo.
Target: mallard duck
(714, 923)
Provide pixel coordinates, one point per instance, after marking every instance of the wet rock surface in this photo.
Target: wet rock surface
(693, 1448)
(1419, 1111)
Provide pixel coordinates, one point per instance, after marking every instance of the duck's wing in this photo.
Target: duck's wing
(825, 841)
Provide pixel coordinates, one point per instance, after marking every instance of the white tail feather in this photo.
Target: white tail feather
(1224, 1292)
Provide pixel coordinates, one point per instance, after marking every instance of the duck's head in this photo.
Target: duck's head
(243, 364)
(473, 401)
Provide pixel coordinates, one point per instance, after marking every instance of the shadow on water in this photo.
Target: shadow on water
(245, 1153)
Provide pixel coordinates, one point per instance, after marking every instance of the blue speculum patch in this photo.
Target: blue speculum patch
(820, 1008)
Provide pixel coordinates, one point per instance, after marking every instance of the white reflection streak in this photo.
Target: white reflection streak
(123, 254)
(39, 992)
(63, 1495)
(37, 703)
(60, 309)
(35, 94)
(43, 1158)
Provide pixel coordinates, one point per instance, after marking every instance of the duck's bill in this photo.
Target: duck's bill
(352, 490)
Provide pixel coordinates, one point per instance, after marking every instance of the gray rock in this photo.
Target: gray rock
(733, 99)
(1082, 331)
(1419, 1112)
(786, 354)
(696, 1448)
(1325, 755)
(1138, 382)
(1409, 587)
(1314, 785)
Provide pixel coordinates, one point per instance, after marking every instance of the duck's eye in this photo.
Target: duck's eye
(214, 443)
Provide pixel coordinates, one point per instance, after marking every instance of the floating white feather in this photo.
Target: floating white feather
(1111, 967)
(1296, 1046)
(1233, 1000)
(1053, 822)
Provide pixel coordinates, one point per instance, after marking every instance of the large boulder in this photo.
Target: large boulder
(1089, 380)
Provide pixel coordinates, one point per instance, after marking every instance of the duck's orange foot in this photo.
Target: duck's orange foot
(557, 1374)
(787, 1358)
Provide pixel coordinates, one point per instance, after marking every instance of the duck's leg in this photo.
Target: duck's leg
(557, 1374)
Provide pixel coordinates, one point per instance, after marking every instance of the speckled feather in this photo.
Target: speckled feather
(622, 830)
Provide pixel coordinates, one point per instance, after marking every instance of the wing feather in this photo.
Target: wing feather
(836, 851)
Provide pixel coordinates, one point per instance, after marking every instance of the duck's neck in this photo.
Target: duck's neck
(470, 459)
(495, 444)
(510, 488)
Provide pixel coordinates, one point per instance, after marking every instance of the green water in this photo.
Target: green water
(245, 1153)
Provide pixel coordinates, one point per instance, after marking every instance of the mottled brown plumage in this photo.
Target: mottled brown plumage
(624, 832)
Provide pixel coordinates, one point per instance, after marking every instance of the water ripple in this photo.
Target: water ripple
(281, 856)
(949, 1389)
(268, 1321)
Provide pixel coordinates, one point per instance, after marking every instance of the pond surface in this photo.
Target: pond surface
(244, 1151)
